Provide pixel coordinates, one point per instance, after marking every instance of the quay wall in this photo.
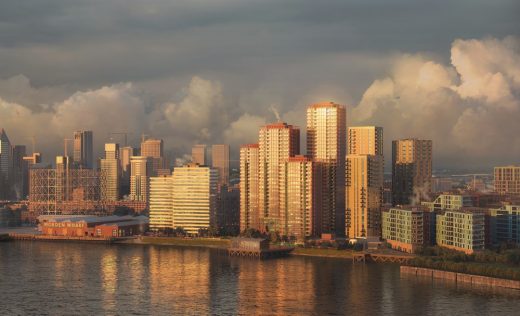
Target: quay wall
(461, 277)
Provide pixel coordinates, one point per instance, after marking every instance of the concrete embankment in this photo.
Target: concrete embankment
(461, 277)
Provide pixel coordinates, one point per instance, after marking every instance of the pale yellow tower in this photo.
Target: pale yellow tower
(364, 181)
(249, 211)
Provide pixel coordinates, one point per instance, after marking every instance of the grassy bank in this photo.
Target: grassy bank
(502, 264)
(177, 241)
(317, 252)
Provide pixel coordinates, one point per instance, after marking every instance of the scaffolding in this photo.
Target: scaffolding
(64, 190)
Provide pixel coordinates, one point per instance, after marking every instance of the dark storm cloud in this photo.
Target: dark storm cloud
(241, 55)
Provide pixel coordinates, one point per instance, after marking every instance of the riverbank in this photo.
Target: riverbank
(460, 277)
(217, 243)
(323, 253)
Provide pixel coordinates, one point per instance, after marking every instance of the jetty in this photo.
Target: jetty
(256, 248)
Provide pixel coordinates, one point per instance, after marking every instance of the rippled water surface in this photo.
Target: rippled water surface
(44, 278)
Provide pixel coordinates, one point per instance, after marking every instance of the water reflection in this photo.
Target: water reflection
(53, 278)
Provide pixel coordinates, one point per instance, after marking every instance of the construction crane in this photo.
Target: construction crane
(143, 137)
(120, 133)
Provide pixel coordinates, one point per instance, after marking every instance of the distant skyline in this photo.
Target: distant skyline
(213, 72)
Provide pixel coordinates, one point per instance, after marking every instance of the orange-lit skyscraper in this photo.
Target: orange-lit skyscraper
(364, 181)
(141, 168)
(83, 149)
(411, 170)
(300, 197)
(153, 148)
(199, 155)
(249, 211)
(110, 173)
(220, 161)
(326, 145)
(277, 142)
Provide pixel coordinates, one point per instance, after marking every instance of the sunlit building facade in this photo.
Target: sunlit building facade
(326, 145)
(364, 182)
(404, 229)
(161, 203)
(111, 171)
(507, 180)
(250, 216)
(277, 142)
(299, 198)
(153, 149)
(194, 196)
(461, 230)
(141, 168)
(200, 155)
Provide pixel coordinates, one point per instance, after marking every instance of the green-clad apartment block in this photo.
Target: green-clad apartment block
(404, 229)
(461, 230)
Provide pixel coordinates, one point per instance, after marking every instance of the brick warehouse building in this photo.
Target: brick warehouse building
(91, 226)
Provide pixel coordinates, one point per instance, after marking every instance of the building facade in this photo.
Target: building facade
(83, 149)
(299, 194)
(411, 170)
(220, 161)
(250, 216)
(141, 168)
(277, 142)
(507, 180)
(505, 224)
(404, 229)
(194, 197)
(110, 167)
(364, 182)
(154, 150)
(326, 145)
(161, 203)
(461, 230)
(200, 155)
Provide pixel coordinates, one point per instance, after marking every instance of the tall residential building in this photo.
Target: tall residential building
(365, 140)
(194, 197)
(461, 230)
(154, 149)
(125, 154)
(507, 180)
(200, 155)
(326, 144)
(161, 203)
(299, 198)
(141, 168)
(277, 142)
(19, 172)
(110, 168)
(411, 170)
(250, 216)
(364, 181)
(5, 154)
(83, 149)
(220, 161)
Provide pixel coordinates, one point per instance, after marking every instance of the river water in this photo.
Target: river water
(46, 278)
